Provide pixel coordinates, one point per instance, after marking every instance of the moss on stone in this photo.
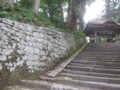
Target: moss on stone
(4, 76)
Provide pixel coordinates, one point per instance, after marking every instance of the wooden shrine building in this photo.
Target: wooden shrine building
(102, 28)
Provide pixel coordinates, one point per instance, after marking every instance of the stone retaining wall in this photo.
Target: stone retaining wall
(36, 48)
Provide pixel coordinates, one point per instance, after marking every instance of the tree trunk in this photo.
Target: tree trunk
(69, 13)
(11, 1)
(50, 11)
(73, 16)
(62, 15)
(36, 6)
(119, 13)
(75, 19)
(82, 12)
(108, 8)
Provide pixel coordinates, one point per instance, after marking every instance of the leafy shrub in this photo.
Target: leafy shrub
(104, 40)
(78, 33)
(5, 6)
(26, 3)
(3, 13)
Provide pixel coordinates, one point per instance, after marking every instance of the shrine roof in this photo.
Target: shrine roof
(101, 25)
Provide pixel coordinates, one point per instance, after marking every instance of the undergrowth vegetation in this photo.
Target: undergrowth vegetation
(26, 15)
(19, 13)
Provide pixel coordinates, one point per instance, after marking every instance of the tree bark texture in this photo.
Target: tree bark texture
(62, 15)
(36, 6)
(73, 16)
(68, 13)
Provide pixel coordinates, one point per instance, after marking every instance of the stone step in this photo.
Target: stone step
(99, 55)
(46, 85)
(36, 84)
(98, 62)
(92, 78)
(19, 87)
(96, 52)
(106, 47)
(102, 49)
(95, 66)
(92, 69)
(99, 58)
(75, 83)
(102, 53)
(102, 46)
(67, 71)
(85, 57)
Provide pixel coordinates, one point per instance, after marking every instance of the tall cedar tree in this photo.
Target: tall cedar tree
(76, 10)
(73, 15)
(36, 6)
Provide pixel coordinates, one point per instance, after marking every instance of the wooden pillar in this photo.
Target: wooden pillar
(116, 35)
(95, 37)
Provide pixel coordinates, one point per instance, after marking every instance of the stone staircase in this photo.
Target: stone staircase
(97, 67)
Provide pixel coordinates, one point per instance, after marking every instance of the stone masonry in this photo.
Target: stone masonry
(39, 48)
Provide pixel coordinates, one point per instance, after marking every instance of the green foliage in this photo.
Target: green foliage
(112, 10)
(22, 14)
(51, 27)
(5, 6)
(26, 3)
(104, 40)
(4, 77)
(54, 11)
(116, 38)
(3, 13)
(49, 16)
(78, 33)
